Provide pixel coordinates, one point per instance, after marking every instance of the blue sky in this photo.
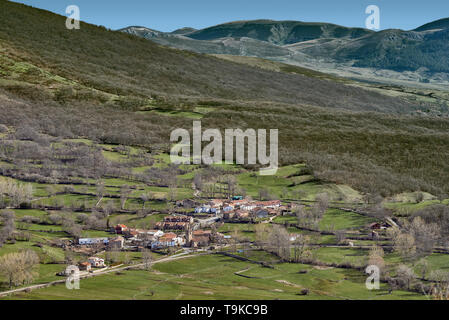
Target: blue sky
(168, 15)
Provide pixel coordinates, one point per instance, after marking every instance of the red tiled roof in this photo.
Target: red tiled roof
(169, 235)
(202, 232)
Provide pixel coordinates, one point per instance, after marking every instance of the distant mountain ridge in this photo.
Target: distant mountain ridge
(437, 24)
(278, 32)
(424, 50)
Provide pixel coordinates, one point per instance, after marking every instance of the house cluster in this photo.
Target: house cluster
(239, 208)
(169, 234)
(203, 238)
(377, 227)
(176, 222)
(165, 237)
(92, 262)
(113, 242)
(139, 238)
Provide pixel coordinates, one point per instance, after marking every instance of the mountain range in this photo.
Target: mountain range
(420, 55)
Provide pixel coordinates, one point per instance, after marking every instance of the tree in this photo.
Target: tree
(322, 199)
(69, 257)
(422, 267)
(406, 275)
(172, 191)
(8, 228)
(236, 237)
(264, 194)
(126, 258)
(71, 227)
(440, 287)
(112, 256)
(19, 267)
(280, 242)
(301, 214)
(231, 183)
(262, 234)
(404, 244)
(198, 181)
(376, 257)
(147, 258)
(301, 247)
(109, 208)
(125, 191)
(425, 234)
(145, 197)
(285, 192)
(340, 236)
(419, 197)
(18, 193)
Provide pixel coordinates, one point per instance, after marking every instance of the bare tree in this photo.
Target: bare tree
(406, 275)
(376, 257)
(147, 258)
(301, 214)
(112, 256)
(301, 247)
(340, 236)
(7, 230)
(262, 235)
(264, 194)
(425, 234)
(145, 197)
(403, 243)
(280, 242)
(172, 191)
(19, 267)
(440, 287)
(71, 227)
(322, 199)
(198, 181)
(125, 191)
(231, 182)
(422, 267)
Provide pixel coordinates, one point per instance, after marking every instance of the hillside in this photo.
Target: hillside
(115, 88)
(278, 32)
(400, 51)
(117, 63)
(323, 46)
(434, 25)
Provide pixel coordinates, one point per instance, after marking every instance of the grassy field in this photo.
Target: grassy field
(213, 277)
(335, 219)
(196, 278)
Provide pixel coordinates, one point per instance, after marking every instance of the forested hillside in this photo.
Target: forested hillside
(117, 88)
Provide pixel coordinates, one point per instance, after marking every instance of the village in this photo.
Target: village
(193, 229)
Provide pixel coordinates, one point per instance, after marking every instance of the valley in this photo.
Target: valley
(86, 177)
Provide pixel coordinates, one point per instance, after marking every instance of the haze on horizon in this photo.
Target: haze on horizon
(170, 15)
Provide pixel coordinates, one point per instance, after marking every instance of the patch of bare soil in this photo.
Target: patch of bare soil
(322, 267)
(288, 283)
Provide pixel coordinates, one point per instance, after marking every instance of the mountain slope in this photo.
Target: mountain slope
(184, 30)
(278, 32)
(115, 88)
(424, 50)
(117, 63)
(435, 25)
(400, 50)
